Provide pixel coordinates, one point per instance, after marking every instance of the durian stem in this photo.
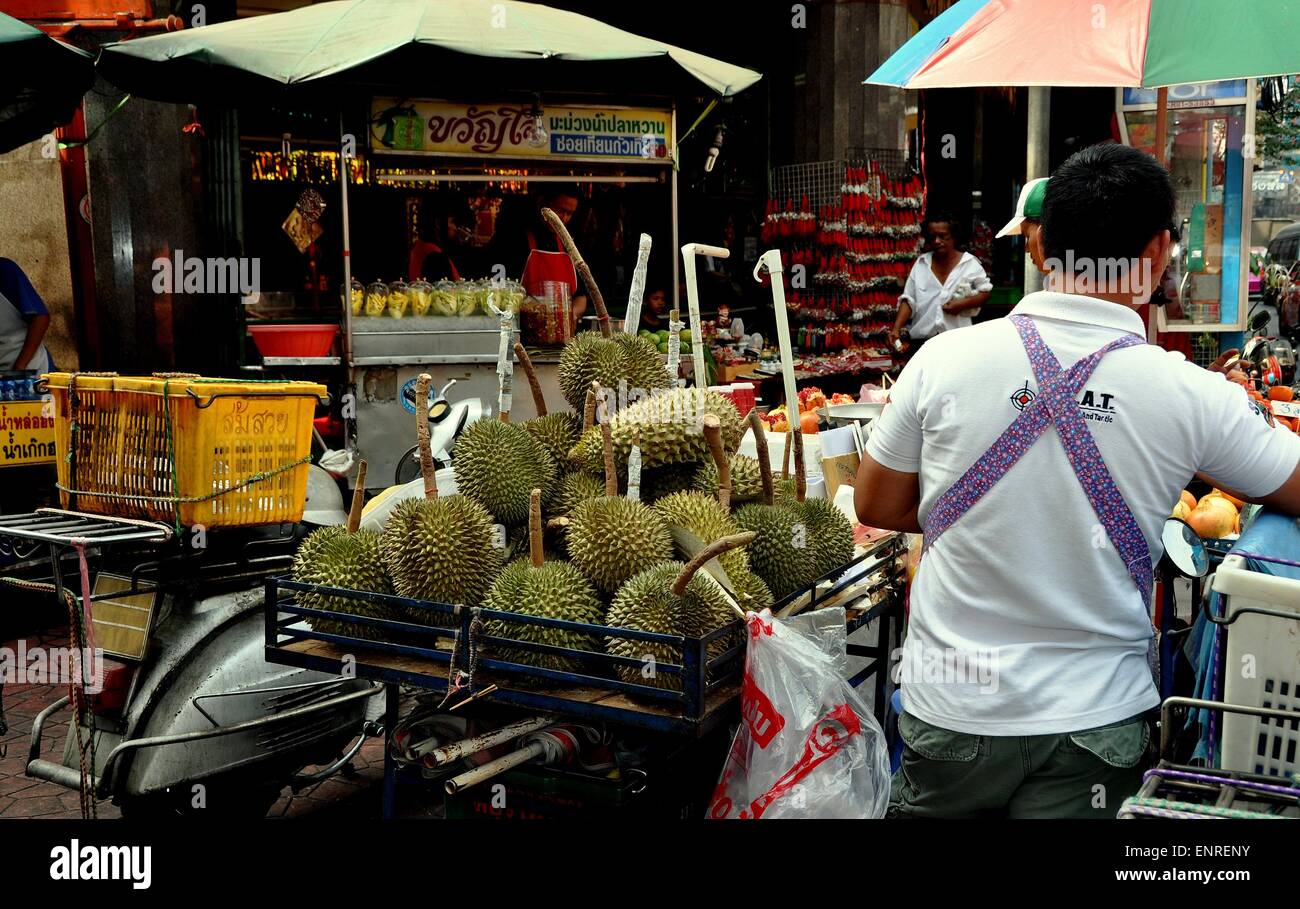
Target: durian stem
(760, 451)
(785, 457)
(422, 434)
(602, 314)
(707, 554)
(589, 411)
(611, 475)
(800, 476)
(713, 434)
(358, 499)
(534, 383)
(535, 539)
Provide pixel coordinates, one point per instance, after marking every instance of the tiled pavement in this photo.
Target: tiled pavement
(340, 796)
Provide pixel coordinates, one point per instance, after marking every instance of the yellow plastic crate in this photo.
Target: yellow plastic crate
(209, 452)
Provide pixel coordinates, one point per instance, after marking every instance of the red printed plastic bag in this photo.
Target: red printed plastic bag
(808, 746)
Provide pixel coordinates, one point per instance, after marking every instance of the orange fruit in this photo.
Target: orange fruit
(1181, 511)
(1215, 517)
(1189, 500)
(1281, 393)
(1236, 502)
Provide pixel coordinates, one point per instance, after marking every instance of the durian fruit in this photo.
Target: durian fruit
(350, 558)
(497, 464)
(574, 488)
(671, 598)
(621, 361)
(780, 553)
(659, 482)
(612, 538)
(547, 589)
(441, 549)
(746, 481)
(556, 432)
(668, 428)
(829, 533)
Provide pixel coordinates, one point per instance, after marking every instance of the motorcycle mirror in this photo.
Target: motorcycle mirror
(1185, 549)
(437, 410)
(1260, 321)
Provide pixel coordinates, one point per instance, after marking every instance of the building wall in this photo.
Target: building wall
(34, 234)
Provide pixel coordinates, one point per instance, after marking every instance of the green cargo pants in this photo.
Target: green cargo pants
(1085, 774)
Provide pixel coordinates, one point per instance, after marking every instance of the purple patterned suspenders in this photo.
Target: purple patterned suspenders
(1057, 403)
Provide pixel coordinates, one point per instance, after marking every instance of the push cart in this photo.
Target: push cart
(699, 695)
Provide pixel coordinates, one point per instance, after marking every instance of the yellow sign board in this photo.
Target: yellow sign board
(567, 133)
(26, 436)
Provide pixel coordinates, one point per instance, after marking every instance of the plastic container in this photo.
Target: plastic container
(208, 452)
(399, 299)
(1262, 669)
(376, 299)
(294, 340)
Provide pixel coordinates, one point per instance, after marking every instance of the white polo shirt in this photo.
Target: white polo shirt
(927, 295)
(1023, 621)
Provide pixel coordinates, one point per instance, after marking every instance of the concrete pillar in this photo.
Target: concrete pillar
(1036, 161)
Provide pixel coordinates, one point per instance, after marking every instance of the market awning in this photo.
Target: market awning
(1125, 43)
(439, 46)
(41, 82)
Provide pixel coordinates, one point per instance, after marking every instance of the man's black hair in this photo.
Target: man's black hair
(1105, 202)
(553, 191)
(939, 216)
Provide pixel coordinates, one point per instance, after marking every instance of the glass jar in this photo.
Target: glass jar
(376, 299)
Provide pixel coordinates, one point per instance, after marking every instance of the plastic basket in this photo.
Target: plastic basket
(1262, 669)
(294, 340)
(210, 452)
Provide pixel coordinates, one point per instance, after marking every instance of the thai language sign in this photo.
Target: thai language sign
(511, 130)
(26, 437)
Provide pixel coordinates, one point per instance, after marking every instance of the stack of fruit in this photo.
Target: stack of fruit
(555, 519)
(811, 399)
(660, 338)
(1213, 516)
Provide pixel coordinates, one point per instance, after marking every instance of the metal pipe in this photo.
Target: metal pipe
(1037, 149)
(494, 768)
(496, 178)
(457, 750)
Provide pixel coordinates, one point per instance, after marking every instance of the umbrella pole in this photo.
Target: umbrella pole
(1162, 126)
(347, 246)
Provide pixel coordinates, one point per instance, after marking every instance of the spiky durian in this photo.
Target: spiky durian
(545, 589)
(668, 426)
(336, 558)
(829, 533)
(588, 357)
(671, 598)
(556, 432)
(445, 549)
(659, 482)
(612, 538)
(746, 481)
(576, 487)
(704, 518)
(497, 464)
(781, 554)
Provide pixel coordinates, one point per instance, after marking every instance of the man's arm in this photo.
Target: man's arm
(886, 498)
(36, 328)
(904, 315)
(961, 304)
(1286, 498)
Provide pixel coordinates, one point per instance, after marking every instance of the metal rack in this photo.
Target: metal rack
(820, 181)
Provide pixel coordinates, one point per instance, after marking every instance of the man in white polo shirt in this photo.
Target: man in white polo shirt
(1040, 455)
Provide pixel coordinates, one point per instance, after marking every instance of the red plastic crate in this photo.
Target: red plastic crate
(294, 340)
(742, 394)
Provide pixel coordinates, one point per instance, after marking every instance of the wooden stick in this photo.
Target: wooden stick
(713, 434)
(579, 265)
(358, 499)
(534, 383)
(422, 434)
(708, 553)
(760, 451)
(535, 539)
(611, 475)
(785, 457)
(800, 478)
(589, 410)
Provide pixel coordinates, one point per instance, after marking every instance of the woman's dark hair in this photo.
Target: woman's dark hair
(939, 216)
(1104, 204)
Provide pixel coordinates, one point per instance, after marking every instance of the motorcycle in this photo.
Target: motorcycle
(446, 422)
(189, 671)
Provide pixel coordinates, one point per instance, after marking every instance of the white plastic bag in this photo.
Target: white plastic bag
(808, 746)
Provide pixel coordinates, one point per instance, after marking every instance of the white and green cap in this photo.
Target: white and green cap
(1029, 205)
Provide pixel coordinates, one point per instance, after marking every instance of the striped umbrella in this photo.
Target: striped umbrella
(1149, 43)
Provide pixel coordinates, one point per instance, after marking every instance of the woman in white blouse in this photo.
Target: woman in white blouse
(945, 289)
